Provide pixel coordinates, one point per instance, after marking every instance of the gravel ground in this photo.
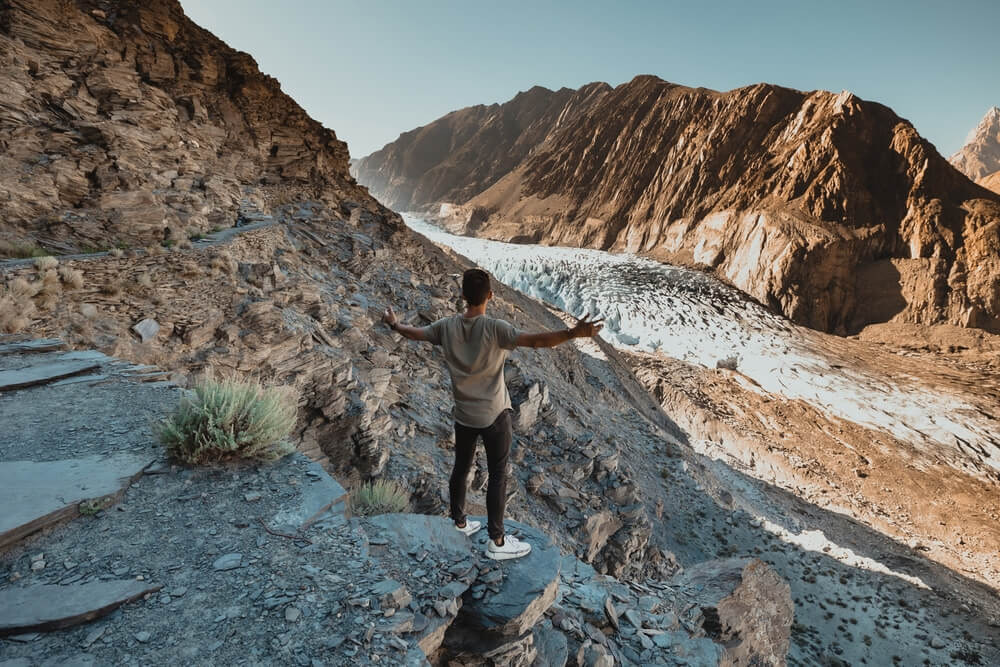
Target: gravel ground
(232, 592)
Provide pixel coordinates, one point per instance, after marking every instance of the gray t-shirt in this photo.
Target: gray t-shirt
(474, 350)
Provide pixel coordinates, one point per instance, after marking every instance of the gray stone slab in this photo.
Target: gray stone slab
(51, 607)
(530, 585)
(552, 647)
(34, 494)
(319, 495)
(43, 373)
(414, 532)
(90, 377)
(85, 355)
(29, 346)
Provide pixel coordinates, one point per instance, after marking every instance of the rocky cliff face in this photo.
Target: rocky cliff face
(991, 182)
(980, 156)
(459, 155)
(126, 123)
(829, 208)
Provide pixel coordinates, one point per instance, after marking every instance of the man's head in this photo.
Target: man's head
(476, 287)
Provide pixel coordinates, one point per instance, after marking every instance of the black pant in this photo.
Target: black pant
(496, 439)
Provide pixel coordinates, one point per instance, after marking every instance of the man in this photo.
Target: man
(475, 347)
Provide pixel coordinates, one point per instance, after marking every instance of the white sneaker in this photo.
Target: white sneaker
(512, 548)
(470, 527)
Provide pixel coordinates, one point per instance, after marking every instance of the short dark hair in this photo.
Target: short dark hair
(475, 286)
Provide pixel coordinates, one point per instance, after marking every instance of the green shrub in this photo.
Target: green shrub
(227, 420)
(378, 497)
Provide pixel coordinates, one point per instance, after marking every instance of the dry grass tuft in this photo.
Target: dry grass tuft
(49, 290)
(378, 497)
(46, 263)
(222, 262)
(155, 249)
(22, 290)
(116, 252)
(16, 305)
(144, 280)
(72, 278)
(112, 288)
(231, 419)
(190, 269)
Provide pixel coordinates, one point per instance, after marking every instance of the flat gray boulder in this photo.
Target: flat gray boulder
(37, 494)
(43, 373)
(45, 607)
(527, 589)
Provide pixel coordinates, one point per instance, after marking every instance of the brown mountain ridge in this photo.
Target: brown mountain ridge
(829, 208)
(138, 126)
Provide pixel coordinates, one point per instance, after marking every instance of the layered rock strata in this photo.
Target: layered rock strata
(124, 123)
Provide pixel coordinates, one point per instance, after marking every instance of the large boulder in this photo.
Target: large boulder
(745, 605)
(527, 588)
(432, 562)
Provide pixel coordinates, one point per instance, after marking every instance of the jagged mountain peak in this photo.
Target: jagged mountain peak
(980, 156)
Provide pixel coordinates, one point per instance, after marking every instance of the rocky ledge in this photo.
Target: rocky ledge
(136, 560)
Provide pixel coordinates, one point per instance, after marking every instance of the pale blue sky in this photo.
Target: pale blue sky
(371, 69)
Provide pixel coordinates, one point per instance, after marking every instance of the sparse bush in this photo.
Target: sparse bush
(231, 419)
(49, 290)
(16, 305)
(71, 277)
(222, 262)
(46, 263)
(22, 290)
(378, 497)
(190, 270)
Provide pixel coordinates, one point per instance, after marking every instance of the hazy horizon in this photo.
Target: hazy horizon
(371, 72)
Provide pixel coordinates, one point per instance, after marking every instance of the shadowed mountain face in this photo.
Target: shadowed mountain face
(125, 122)
(980, 156)
(829, 208)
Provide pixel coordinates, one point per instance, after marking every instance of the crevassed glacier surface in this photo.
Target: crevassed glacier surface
(689, 315)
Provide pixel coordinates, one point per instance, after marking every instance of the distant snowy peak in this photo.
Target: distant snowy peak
(980, 156)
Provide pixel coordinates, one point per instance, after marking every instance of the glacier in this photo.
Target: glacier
(689, 315)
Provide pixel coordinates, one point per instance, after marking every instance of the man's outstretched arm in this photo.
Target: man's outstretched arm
(413, 333)
(585, 328)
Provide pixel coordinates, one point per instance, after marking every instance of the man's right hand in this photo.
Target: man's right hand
(389, 317)
(587, 328)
